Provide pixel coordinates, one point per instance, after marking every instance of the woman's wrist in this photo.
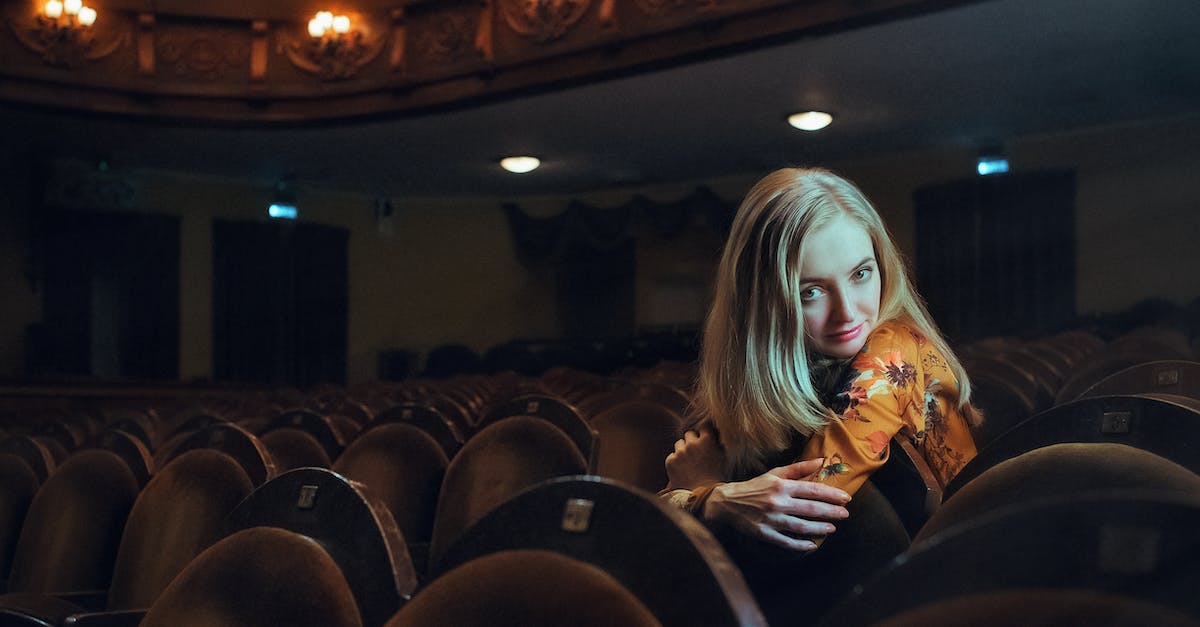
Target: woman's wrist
(703, 503)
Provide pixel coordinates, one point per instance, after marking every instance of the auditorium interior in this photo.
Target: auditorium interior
(282, 343)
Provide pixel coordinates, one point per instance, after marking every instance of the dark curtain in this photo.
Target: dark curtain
(110, 298)
(996, 254)
(592, 252)
(279, 303)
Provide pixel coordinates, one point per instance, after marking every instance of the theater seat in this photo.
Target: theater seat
(1181, 378)
(258, 577)
(428, 419)
(665, 557)
(320, 427)
(353, 528)
(524, 588)
(1040, 607)
(18, 484)
(1165, 426)
(69, 539)
(493, 466)
(293, 448)
(179, 513)
(1133, 544)
(232, 440)
(401, 465)
(33, 452)
(554, 410)
(635, 438)
(1061, 470)
(908, 484)
(131, 449)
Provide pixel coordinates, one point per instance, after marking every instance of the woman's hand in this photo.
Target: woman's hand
(782, 506)
(698, 460)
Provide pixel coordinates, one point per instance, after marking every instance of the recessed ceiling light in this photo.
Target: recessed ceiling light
(810, 120)
(520, 165)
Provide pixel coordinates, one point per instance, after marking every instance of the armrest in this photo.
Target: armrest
(25, 608)
(121, 618)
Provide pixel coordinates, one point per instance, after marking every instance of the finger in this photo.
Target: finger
(816, 491)
(773, 536)
(799, 470)
(800, 526)
(813, 509)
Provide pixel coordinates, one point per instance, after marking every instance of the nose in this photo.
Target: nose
(843, 308)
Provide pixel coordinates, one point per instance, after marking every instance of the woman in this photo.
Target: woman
(817, 351)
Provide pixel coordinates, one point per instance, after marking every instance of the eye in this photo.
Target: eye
(863, 273)
(810, 293)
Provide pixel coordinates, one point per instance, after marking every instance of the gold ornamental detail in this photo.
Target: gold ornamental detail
(543, 20)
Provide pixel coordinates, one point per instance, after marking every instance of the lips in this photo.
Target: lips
(847, 335)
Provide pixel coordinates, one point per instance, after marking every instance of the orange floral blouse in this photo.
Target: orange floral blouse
(898, 383)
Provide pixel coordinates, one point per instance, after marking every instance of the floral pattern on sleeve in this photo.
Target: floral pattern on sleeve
(898, 384)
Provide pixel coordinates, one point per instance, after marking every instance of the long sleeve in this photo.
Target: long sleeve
(898, 385)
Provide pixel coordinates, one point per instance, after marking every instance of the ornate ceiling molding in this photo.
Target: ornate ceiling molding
(250, 62)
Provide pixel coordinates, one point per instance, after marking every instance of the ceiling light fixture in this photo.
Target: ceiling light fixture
(810, 120)
(520, 165)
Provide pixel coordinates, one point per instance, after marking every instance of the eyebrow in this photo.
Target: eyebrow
(858, 265)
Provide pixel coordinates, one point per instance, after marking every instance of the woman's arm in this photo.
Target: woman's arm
(782, 506)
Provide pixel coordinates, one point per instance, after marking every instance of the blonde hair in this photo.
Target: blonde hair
(755, 383)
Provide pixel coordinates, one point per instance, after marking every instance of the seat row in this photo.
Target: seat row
(1109, 428)
(1013, 379)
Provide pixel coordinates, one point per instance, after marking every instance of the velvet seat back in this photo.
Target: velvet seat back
(1040, 606)
(73, 526)
(1061, 470)
(403, 466)
(635, 438)
(18, 484)
(524, 588)
(293, 448)
(258, 577)
(178, 514)
(498, 462)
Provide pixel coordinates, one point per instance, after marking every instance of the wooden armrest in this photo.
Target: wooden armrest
(27, 608)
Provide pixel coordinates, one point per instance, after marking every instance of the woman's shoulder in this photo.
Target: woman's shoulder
(893, 335)
(900, 343)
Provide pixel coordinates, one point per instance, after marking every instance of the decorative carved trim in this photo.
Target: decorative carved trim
(258, 50)
(608, 17)
(543, 20)
(399, 35)
(202, 58)
(443, 51)
(448, 38)
(483, 38)
(656, 8)
(61, 46)
(145, 44)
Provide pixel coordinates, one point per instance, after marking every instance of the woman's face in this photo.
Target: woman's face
(839, 288)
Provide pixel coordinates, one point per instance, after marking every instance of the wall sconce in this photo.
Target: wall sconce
(335, 49)
(62, 32)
